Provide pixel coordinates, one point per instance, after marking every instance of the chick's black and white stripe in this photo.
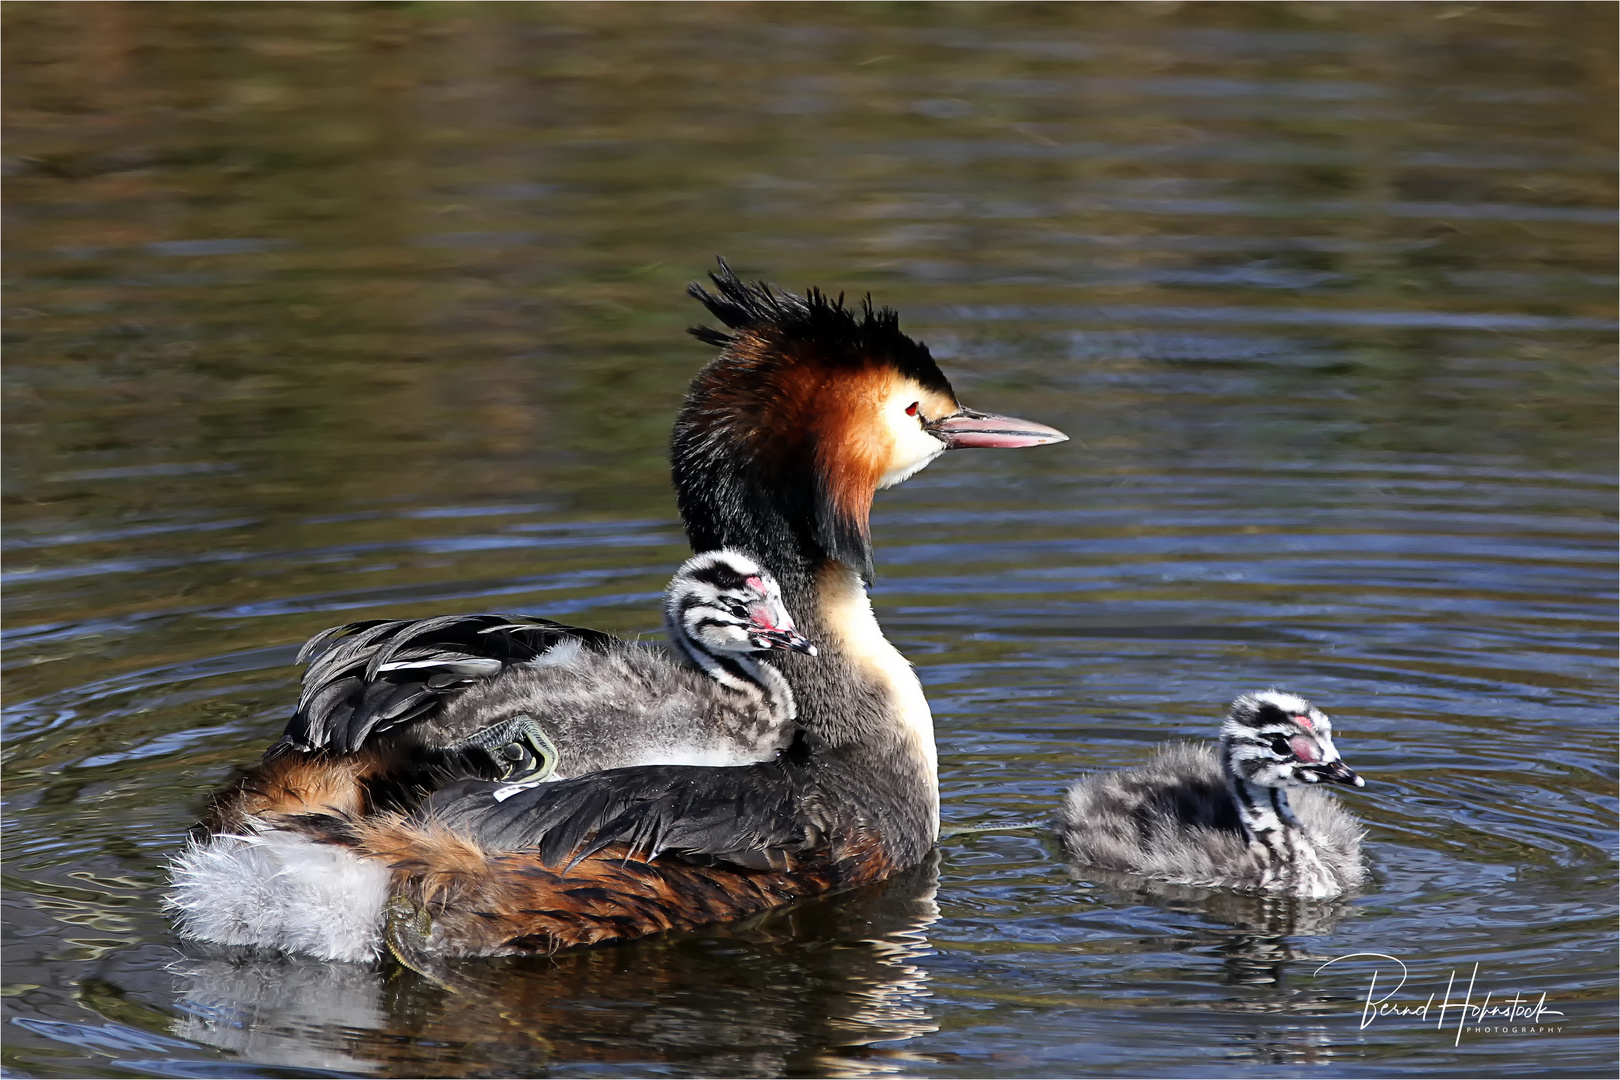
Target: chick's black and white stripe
(1226, 820)
(722, 609)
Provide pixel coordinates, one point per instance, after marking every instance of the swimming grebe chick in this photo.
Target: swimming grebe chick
(1192, 817)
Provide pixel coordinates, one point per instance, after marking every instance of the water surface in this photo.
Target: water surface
(322, 313)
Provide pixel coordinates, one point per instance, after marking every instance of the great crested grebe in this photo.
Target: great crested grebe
(783, 440)
(1227, 822)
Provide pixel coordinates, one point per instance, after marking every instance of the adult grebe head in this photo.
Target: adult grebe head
(810, 408)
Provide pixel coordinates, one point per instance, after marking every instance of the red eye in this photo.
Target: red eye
(911, 410)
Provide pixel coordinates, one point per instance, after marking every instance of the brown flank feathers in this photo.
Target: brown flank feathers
(482, 903)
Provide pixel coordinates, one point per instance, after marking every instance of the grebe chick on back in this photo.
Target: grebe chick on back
(1226, 821)
(515, 698)
(782, 442)
(714, 703)
(609, 704)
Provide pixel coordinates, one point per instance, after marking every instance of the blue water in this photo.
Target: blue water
(322, 313)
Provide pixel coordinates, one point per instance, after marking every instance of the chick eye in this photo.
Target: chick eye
(1280, 747)
(911, 410)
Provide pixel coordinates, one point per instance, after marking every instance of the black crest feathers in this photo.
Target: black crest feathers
(838, 332)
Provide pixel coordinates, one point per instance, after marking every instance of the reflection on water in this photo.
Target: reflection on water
(317, 313)
(1254, 935)
(1265, 916)
(810, 990)
(278, 1011)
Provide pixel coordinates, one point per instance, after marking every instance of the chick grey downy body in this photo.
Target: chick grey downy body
(1226, 819)
(549, 701)
(706, 701)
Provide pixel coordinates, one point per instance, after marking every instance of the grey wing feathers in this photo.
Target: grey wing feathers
(372, 676)
(750, 815)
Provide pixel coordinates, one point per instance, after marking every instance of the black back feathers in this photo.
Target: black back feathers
(749, 815)
(381, 674)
